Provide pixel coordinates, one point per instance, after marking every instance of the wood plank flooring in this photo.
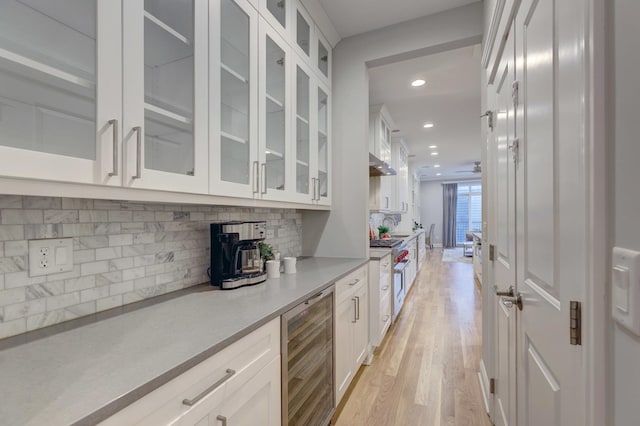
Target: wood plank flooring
(425, 371)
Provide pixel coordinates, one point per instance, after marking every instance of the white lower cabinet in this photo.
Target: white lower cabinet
(380, 276)
(351, 328)
(239, 385)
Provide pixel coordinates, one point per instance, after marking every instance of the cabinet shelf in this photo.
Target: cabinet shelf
(163, 113)
(163, 44)
(233, 138)
(273, 155)
(167, 28)
(233, 73)
(273, 105)
(52, 75)
(302, 163)
(302, 119)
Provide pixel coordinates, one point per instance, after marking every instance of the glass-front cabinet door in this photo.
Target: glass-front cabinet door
(165, 92)
(323, 172)
(233, 52)
(323, 57)
(302, 100)
(277, 14)
(60, 90)
(275, 151)
(303, 30)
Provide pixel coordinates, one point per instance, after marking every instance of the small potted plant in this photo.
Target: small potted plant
(384, 231)
(266, 251)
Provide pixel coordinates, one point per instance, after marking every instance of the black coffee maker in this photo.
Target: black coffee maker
(235, 254)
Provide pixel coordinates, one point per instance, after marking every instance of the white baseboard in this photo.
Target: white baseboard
(484, 386)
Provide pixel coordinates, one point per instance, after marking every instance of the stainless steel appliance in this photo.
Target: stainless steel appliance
(235, 254)
(307, 362)
(399, 287)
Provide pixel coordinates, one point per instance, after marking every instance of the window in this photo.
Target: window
(468, 210)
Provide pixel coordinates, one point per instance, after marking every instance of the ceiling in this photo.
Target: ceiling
(350, 17)
(450, 100)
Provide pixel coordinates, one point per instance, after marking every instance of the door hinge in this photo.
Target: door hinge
(515, 89)
(492, 252)
(492, 386)
(515, 149)
(575, 323)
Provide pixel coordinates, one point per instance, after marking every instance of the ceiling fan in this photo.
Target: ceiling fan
(476, 168)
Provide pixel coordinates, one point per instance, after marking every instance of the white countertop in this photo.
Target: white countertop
(85, 374)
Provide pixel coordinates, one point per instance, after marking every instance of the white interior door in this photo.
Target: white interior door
(503, 169)
(552, 218)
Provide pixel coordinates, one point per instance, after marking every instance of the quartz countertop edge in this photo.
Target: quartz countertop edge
(84, 375)
(379, 253)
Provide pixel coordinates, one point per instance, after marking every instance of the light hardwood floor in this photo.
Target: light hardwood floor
(425, 371)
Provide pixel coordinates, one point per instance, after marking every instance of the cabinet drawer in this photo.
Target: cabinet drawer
(245, 358)
(351, 283)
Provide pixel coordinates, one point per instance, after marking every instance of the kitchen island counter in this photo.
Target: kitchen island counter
(83, 371)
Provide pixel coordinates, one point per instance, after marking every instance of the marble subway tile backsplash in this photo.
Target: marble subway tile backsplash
(123, 252)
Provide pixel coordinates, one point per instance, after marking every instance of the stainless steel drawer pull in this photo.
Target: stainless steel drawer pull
(138, 131)
(355, 308)
(354, 282)
(114, 124)
(210, 389)
(223, 419)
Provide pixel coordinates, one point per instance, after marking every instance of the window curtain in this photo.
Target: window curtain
(449, 203)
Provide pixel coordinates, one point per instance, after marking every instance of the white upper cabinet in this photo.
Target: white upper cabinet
(303, 33)
(323, 147)
(58, 121)
(222, 97)
(302, 105)
(234, 99)
(278, 14)
(275, 154)
(165, 86)
(323, 57)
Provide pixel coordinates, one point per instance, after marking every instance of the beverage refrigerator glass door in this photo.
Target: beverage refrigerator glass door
(307, 362)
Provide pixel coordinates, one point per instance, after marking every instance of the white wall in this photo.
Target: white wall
(349, 217)
(431, 208)
(625, 184)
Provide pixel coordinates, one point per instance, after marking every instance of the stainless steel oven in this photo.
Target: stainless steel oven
(307, 362)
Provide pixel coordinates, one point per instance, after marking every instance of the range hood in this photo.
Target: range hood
(377, 167)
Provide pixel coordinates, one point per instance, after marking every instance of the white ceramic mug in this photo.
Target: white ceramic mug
(289, 265)
(273, 269)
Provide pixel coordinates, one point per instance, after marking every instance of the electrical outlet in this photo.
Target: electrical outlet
(271, 234)
(50, 256)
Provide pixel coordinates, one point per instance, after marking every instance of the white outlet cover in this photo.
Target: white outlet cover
(55, 253)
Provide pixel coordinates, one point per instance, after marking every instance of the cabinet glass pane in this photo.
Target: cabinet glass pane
(323, 59)
(48, 76)
(169, 85)
(278, 9)
(234, 89)
(323, 148)
(302, 132)
(275, 115)
(303, 33)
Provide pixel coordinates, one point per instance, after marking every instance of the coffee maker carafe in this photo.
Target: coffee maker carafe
(235, 254)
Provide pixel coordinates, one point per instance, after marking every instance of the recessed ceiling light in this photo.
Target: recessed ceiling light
(438, 174)
(436, 165)
(433, 146)
(428, 125)
(417, 83)
(434, 153)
